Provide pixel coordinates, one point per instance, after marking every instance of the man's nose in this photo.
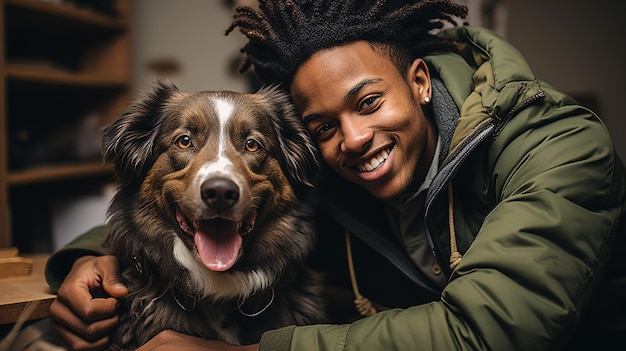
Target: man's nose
(356, 135)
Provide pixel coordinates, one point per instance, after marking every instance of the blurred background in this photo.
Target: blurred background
(72, 65)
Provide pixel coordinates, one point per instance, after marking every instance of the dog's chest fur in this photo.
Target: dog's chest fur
(213, 219)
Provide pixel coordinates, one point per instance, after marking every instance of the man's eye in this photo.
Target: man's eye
(184, 142)
(324, 129)
(368, 103)
(252, 145)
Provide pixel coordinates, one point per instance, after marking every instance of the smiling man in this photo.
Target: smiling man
(367, 116)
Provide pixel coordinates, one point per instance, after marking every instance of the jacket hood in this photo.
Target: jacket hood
(489, 80)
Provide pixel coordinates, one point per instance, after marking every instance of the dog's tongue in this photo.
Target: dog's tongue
(218, 244)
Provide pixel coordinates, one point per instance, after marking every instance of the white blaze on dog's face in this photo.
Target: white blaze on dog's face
(218, 171)
(220, 187)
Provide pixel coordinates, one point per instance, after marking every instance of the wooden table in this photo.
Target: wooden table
(17, 292)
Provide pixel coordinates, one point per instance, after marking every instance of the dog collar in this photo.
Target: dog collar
(182, 305)
(252, 303)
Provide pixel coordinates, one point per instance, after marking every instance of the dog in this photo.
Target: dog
(213, 218)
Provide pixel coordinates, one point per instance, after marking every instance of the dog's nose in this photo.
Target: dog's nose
(219, 193)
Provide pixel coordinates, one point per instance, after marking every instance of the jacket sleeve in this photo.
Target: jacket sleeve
(540, 255)
(535, 263)
(61, 261)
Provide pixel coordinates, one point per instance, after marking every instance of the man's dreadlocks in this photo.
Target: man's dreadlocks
(284, 33)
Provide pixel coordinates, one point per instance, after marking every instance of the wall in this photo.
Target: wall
(191, 34)
(577, 46)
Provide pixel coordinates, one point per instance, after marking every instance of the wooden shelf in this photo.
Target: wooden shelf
(51, 173)
(65, 71)
(66, 11)
(36, 74)
(17, 292)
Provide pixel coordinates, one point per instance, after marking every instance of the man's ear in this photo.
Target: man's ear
(418, 76)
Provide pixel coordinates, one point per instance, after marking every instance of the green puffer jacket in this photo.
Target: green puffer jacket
(539, 207)
(539, 204)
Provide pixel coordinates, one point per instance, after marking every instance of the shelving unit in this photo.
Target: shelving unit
(64, 73)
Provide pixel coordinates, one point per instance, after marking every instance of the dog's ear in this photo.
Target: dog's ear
(128, 141)
(299, 155)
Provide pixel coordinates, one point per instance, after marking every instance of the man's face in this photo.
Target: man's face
(366, 117)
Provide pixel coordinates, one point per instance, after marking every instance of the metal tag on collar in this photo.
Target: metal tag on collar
(137, 260)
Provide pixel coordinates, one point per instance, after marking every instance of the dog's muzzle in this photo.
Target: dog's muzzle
(218, 240)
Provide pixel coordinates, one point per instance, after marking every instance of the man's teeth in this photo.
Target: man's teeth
(374, 162)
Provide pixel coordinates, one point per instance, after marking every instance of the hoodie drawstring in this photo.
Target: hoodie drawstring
(363, 304)
(455, 255)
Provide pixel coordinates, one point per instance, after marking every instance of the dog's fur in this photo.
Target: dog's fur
(195, 167)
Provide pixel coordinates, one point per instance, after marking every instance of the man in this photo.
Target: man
(479, 207)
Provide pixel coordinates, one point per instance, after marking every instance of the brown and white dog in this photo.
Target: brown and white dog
(213, 218)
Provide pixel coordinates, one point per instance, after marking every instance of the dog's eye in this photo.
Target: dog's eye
(252, 145)
(184, 142)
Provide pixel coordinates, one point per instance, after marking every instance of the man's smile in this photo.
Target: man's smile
(374, 162)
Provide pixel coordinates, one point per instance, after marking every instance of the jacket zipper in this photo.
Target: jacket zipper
(457, 158)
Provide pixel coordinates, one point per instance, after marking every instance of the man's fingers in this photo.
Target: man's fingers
(76, 342)
(93, 287)
(78, 297)
(89, 310)
(84, 312)
(88, 330)
(108, 268)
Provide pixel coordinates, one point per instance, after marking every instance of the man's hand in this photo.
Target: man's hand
(84, 312)
(169, 340)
